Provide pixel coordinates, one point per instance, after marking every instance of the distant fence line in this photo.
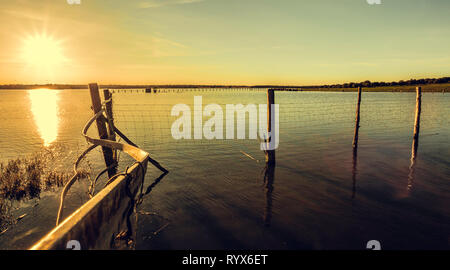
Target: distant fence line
(435, 88)
(157, 120)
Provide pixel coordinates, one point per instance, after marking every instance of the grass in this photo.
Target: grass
(26, 178)
(20, 178)
(5, 214)
(403, 88)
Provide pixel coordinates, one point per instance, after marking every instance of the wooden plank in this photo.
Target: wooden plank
(96, 223)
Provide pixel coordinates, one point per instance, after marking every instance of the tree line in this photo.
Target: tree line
(366, 83)
(398, 83)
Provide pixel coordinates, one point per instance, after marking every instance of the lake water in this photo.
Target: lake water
(216, 195)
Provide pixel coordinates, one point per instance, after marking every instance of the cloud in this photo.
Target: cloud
(25, 15)
(160, 3)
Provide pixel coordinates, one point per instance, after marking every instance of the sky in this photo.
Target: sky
(251, 42)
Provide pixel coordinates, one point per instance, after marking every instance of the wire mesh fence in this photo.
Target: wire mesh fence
(304, 117)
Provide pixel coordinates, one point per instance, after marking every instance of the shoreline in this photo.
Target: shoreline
(434, 88)
(428, 85)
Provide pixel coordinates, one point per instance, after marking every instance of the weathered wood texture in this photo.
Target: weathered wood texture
(358, 105)
(101, 126)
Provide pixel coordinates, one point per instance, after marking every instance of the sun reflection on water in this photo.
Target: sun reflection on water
(44, 106)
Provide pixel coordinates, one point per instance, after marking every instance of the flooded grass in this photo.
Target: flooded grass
(25, 178)
(20, 178)
(5, 215)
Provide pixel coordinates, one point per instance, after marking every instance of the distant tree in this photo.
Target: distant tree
(366, 83)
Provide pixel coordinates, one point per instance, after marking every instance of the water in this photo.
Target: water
(216, 195)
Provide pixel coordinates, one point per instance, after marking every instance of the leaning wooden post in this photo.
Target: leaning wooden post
(270, 154)
(355, 143)
(417, 120)
(111, 129)
(109, 114)
(358, 104)
(415, 143)
(101, 126)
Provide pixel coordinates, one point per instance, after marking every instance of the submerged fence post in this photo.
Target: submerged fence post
(417, 120)
(358, 104)
(270, 154)
(269, 170)
(109, 114)
(101, 126)
(111, 129)
(415, 143)
(355, 143)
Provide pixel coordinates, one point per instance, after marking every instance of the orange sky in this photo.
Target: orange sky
(222, 42)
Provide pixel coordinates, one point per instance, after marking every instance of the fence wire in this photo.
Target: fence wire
(304, 117)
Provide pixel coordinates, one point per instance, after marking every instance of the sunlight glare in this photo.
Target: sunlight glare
(43, 51)
(44, 106)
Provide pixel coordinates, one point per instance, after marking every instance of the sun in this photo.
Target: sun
(43, 52)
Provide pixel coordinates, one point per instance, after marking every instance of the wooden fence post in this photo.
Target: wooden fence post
(111, 129)
(101, 127)
(417, 120)
(415, 143)
(355, 143)
(270, 154)
(109, 115)
(358, 104)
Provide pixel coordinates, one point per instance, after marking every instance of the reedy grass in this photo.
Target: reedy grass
(26, 177)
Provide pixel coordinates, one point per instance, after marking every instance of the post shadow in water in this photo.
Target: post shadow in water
(354, 170)
(412, 166)
(127, 238)
(268, 178)
(415, 143)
